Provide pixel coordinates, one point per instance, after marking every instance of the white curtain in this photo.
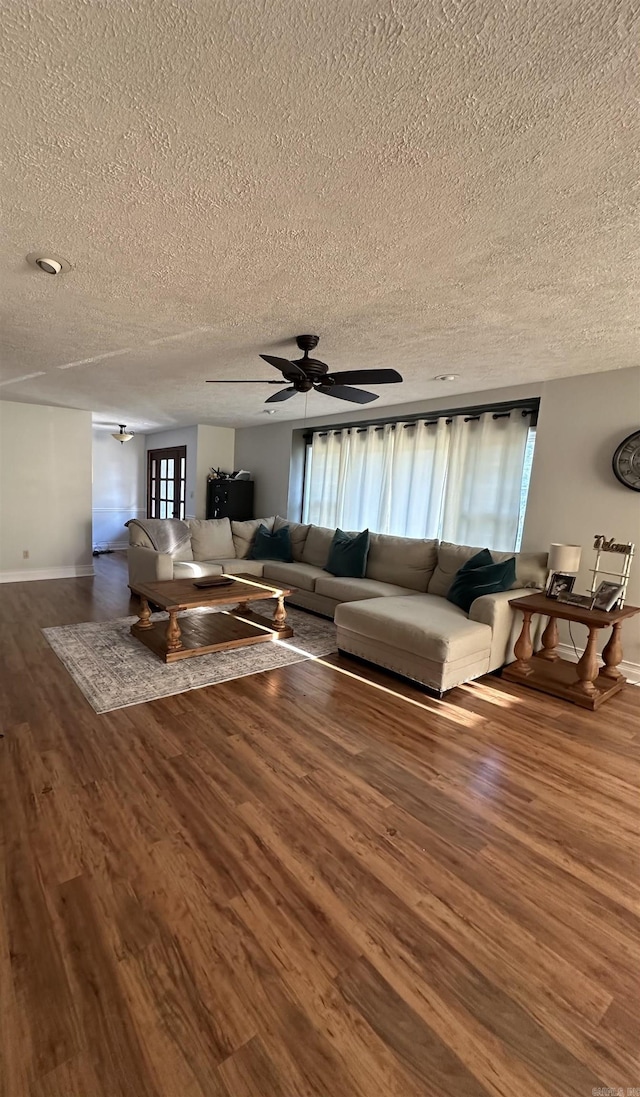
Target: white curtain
(459, 480)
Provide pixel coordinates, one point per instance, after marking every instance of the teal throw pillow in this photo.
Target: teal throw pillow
(481, 576)
(348, 554)
(272, 546)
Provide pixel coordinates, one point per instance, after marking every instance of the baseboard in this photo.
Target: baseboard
(631, 671)
(75, 571)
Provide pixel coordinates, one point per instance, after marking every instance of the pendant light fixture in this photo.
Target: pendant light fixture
(123, 435)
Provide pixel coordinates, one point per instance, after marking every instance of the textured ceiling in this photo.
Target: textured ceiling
(436, 186)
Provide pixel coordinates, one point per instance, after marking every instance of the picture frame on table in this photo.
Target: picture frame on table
(607, 595)
(559, 583)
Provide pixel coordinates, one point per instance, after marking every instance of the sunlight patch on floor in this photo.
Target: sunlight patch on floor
(439, 707)
(491, 694)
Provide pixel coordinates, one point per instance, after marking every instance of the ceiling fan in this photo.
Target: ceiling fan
(304, 374)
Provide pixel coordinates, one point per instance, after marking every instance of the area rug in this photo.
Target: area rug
(114, 670)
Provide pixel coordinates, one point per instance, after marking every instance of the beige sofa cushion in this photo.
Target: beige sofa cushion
(244, 532)
(317, 545)
(422, 624)
(351, 590)
(298, 534)
(407, 561)
(530, 566)
(242, 567)
(195, 569)
(293, 575)
(211, 539)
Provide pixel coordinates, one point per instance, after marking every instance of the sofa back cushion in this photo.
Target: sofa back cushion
(244, 533)
(298, 534)
(317, 545)
(530, 566)
(406, 561)
(211, 539)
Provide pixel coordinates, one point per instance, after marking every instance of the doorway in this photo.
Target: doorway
(166, 482)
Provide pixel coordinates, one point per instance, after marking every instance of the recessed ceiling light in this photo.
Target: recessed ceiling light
(447, 377)
(269, 411)
(47, 263)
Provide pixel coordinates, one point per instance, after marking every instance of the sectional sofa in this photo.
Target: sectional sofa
(397, 616)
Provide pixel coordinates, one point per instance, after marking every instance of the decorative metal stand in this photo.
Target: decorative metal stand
(602, 544)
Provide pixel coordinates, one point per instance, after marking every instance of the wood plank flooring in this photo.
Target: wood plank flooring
(314, 882)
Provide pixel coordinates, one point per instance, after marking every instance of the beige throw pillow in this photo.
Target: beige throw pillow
(317, 545)
(406, 561)
(244, 533)
(211, 539)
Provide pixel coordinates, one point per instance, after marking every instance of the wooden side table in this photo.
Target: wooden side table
(585, 683)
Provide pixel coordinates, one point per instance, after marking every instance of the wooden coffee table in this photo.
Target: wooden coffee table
(199, 634)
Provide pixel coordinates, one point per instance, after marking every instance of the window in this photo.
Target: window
(461, 477)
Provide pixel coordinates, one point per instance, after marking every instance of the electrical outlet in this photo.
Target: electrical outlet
(25, 554)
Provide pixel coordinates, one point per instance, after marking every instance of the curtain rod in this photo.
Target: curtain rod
(474, 411)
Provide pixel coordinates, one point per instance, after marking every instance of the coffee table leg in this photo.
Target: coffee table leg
(587, 667)
(549, 642)
(243, 608)
(523, 649)
(174, 643)
(280, 615)
(144, 615)
(612, 654)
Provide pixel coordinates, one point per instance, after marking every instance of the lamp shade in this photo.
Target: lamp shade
(565, 558)
(123, 435)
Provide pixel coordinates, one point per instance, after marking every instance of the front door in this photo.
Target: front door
(166, 482)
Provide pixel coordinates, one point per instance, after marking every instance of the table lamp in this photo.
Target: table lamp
(565, 558)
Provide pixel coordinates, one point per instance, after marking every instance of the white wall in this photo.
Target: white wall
(119, 487)
(183, 436)
(216, 446)
(574, 494)
(45, 492)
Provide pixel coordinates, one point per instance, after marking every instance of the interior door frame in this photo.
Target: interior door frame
(177, 454)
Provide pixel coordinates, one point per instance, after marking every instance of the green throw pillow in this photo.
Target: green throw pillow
(272, 546)
(481, 576)
(348, 554)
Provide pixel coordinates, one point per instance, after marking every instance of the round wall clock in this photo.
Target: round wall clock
(626, 461)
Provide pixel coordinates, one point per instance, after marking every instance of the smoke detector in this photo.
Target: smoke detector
(47, 263)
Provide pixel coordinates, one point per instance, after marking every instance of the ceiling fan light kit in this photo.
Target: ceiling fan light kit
(306, 374)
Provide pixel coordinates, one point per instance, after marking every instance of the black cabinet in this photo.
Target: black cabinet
(230, 499)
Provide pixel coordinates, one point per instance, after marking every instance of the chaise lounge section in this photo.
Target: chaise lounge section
(397, 616)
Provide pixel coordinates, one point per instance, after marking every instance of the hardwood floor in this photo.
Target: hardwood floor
(314, 882)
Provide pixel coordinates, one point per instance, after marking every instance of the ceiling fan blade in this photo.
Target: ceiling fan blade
(367, 377)
(289, 369)
(278, 397)
(343, 392)
(230, 381)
